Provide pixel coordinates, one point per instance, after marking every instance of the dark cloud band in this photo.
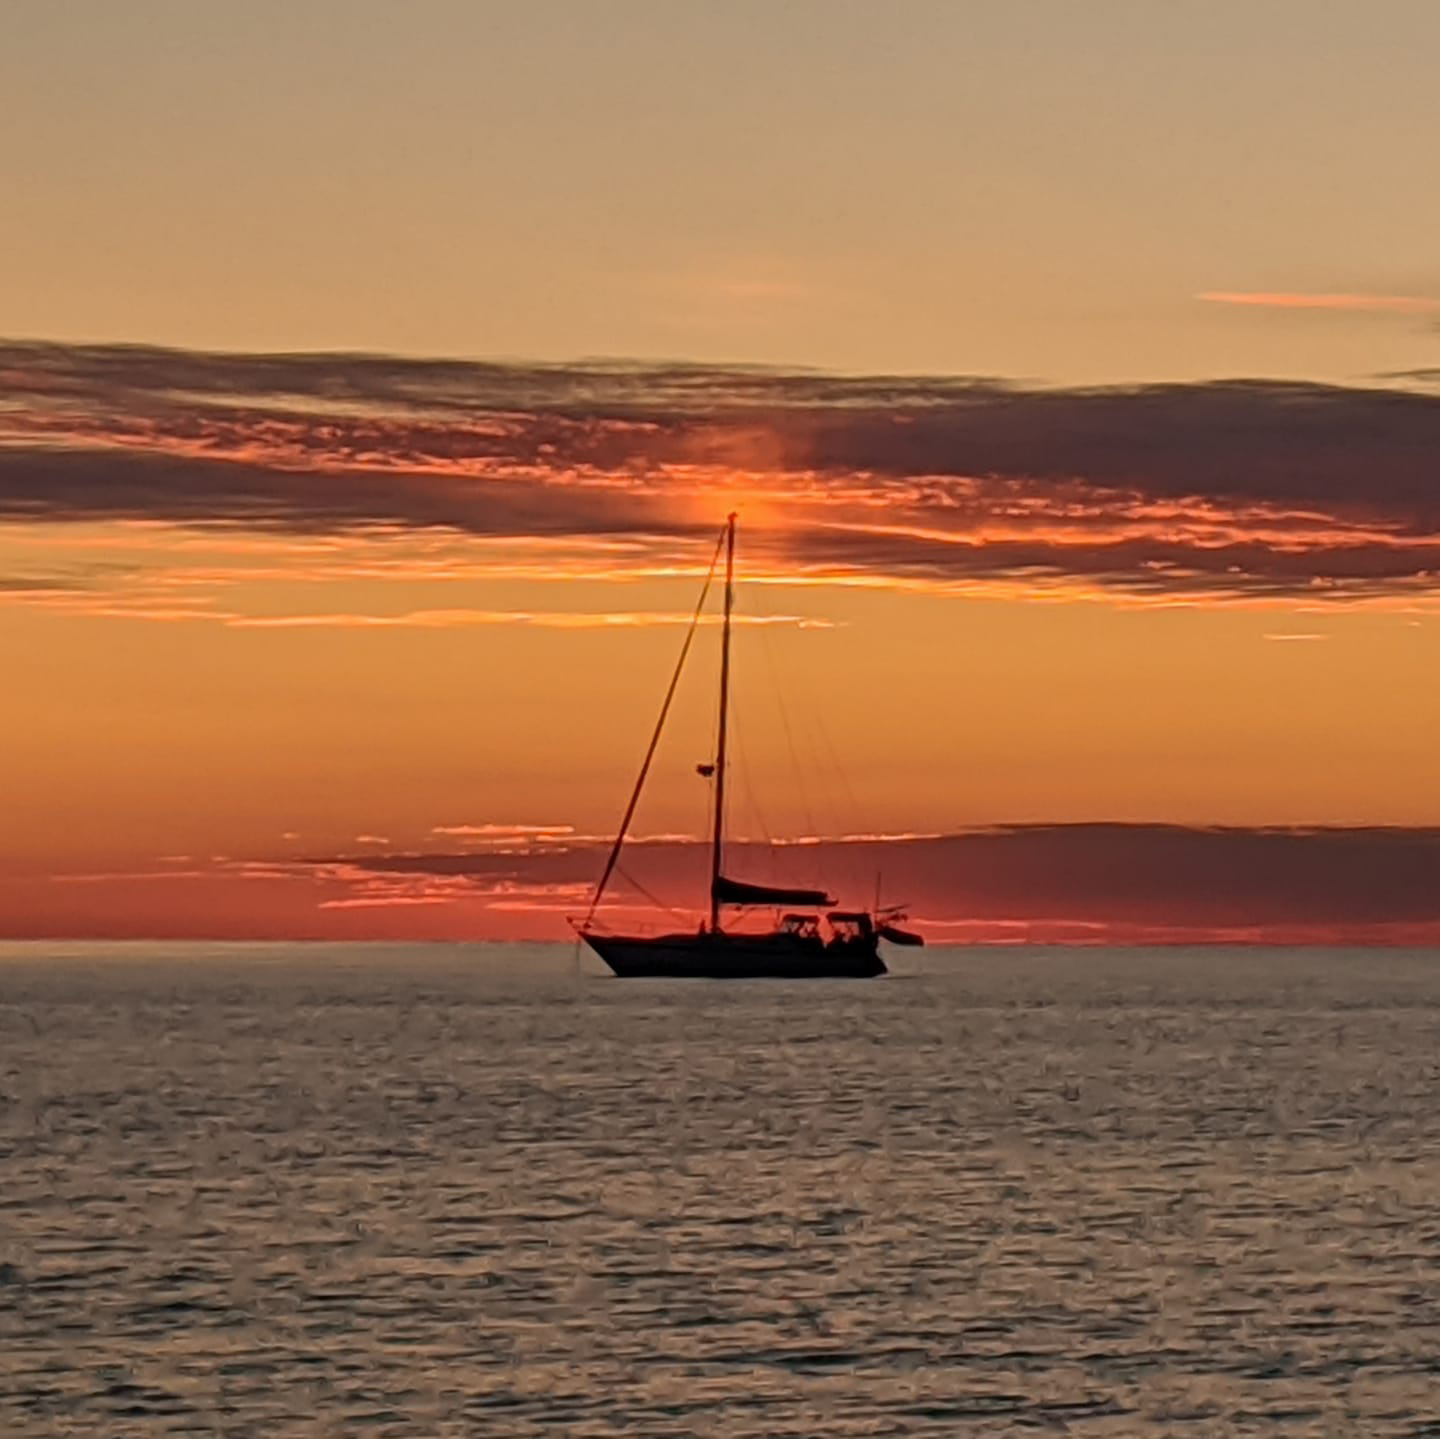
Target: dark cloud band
(1227, 489)
(1213, 878)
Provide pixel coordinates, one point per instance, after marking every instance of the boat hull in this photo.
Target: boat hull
(736, 956)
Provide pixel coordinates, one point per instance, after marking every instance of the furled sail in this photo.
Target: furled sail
(737, 891)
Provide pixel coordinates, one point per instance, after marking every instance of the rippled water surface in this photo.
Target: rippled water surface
(305, 1191)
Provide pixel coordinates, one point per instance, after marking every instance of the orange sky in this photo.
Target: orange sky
(251, 630)
(1040, 190)
(1072, 369)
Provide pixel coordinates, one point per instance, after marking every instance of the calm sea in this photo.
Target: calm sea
(430, 1191)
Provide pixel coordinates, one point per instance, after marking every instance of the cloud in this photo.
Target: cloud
(384, 901)
(1101, 883)
(36, 585)
(1117, 882)
(543, 619)
(1222, 490)
(1370, 304)
(136, 607)
(505, 833)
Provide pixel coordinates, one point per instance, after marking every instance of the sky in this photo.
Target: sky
(376, 380)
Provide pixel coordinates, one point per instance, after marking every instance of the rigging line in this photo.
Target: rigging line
(795, 767)
(858, 820)
(655, 738)
(857, 816)
(653, 898)
(744, 769)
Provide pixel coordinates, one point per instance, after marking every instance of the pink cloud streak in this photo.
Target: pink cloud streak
(1292, 300)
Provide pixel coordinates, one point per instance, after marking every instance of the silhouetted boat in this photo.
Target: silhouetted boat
(812, 941)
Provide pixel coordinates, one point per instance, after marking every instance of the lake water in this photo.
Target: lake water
(433, 1191)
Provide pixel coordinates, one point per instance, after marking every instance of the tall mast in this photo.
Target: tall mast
(718, 837)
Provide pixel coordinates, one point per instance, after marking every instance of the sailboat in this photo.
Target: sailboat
(811, 940)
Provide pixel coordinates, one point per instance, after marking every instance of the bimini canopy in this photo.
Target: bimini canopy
(737, 891)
